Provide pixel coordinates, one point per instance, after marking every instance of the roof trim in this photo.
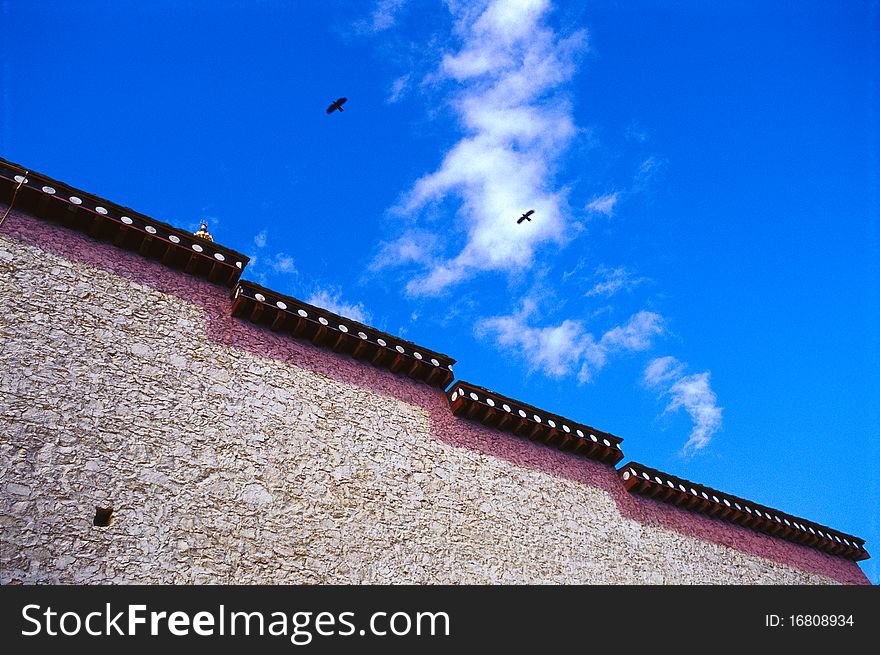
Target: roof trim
(490, 408)
(50, 199)
(640, 479)
(322, 327)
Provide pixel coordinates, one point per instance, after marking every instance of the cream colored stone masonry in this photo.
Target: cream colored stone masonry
(225, 466)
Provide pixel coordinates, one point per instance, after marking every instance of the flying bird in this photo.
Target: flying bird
(525, 217)
(337, 105)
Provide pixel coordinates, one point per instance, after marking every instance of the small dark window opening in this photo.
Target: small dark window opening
(103, 516)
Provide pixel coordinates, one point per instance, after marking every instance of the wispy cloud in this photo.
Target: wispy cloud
(555, 351)
(650, 165)
(331, 300)
(636, 335)
(603, 204)
(509, 70)
(647, 172)
(662, 370)
(416, 246)
(383, 16)
(398, 88)
(568, 347)
(282, 263)
(611, 280)
(692, 393)
(256, 269)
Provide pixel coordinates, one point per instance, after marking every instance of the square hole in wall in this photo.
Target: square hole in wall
(103, 516)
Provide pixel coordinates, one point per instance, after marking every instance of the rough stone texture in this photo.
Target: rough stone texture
(233, 454)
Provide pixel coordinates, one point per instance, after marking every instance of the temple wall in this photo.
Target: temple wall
(233, 454)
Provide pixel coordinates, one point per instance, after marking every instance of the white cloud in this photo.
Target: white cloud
(441, 276)
(648, 166)
(553, 350)
(662, 370)
(635, 336)
(282, 263)
(510, 68)
(383, 17)
(603, 204)
(646, 172)
(413, 247)
(692, 393)
(576, 270)
(398, 88)
(332, 301)
(612, 280)
(562, 349)
(260, 239)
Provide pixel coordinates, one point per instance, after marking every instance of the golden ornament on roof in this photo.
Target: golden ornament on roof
(203, 232)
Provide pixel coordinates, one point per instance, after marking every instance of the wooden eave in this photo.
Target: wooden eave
(323, 328)
(640, 479)
(43, 197)
(502, 413)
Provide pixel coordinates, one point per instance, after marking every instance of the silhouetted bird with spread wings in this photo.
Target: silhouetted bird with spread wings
(337, 105)
(525, 217)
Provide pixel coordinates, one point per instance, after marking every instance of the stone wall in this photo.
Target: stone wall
(234, 454)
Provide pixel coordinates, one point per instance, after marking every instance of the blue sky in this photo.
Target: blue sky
(700, 276)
